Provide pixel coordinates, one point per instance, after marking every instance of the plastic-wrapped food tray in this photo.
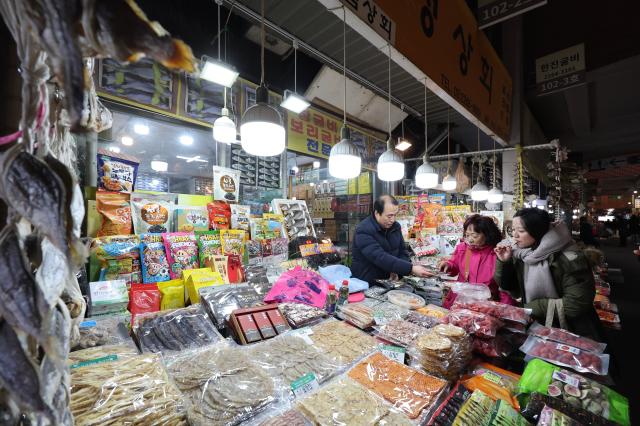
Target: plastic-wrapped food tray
(566, 356)
(405, 299)
(495, 309)
(481, 325)
(563, 336)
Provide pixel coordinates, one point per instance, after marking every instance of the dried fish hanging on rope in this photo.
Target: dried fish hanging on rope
(40, 200)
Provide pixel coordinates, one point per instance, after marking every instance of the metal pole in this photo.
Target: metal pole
(488, 151)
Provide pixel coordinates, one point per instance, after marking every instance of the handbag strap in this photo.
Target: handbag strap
(467, 264)
(553, 306)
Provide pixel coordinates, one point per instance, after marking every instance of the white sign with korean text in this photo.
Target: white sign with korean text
(372, 13)
(560, 70)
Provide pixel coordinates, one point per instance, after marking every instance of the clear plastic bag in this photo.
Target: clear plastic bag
(566, 356)
(405, 299)
(357, 314)
(287, 418)
(563, 336)
(221, 385)
(99, 354)
(341, 342)
(446, 413)
(176, 330)
(134, 391)
(551, 417)
(299, 315)
(406, 389)
(481, 325)
(495, 309)
(289, 357)
(386, 311)
(498, 347)
(471, 291)
(400, 332)
(377, 292)
(100, 331)
(494, 382)
(220, 301)
(537, 403)
(444, 351)
(422, 320)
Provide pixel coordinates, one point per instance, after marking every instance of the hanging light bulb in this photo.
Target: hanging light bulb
(224, 129)
(495, 194)
(449, 183)
(390, 163)
(291, 100)
(479, 192)
(426, 175)
(344, 159)
(261, 131)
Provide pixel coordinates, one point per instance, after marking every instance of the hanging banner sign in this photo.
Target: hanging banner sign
(467, 73)
(314, 133)
(560, 70)
(493, 11)
(371, 13)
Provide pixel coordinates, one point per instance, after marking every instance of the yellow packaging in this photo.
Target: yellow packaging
(232, 241)
(201, 279)
(185, 276)
(172, 294)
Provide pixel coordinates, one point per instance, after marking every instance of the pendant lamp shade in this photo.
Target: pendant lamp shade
(390, 165)
(224, 129)
(495, 195)
(426, 176)
(261, 131)
(344, 160)
(449, 183)
(479, 192)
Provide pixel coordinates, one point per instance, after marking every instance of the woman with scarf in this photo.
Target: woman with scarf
(474, 260)
(549, 273)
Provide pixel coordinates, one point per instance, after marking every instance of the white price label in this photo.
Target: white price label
(567, 348)
(304, 385)
(565, 378)
(379, 318)
(395, 353)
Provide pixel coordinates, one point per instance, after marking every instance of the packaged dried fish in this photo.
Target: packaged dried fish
(446, 413)
(357, 314)
(104, 330)
(400, 332)
(175, 330)
(221, 301)
(299, 315)
(341, 342)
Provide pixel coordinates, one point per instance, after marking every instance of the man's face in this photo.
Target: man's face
(388, 216)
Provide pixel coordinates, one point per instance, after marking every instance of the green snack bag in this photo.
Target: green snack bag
(209, 246)
(574, 389)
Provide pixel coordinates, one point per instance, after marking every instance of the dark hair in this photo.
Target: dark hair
(485, 226)
(536, 222)
(378, 205)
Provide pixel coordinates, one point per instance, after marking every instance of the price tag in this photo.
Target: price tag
(493, 377)
(304, 385)
(565, 378)
(570, 349)
(108, 358)
(88, 324)
(395, 353)
(379, 318)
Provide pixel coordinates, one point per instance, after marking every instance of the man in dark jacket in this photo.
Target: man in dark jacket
(378, 247)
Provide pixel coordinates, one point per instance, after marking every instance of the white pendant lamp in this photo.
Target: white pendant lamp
(261, 131)
(291, 100)
(479, 192)
(495, 194)
(449, 183)
(390, 163)
(224, 129)
(344, 159)
(217, 71)
(159, 163)
(426, 175)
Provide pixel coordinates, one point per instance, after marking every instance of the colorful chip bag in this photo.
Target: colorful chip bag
(115, 210)
(209, 246)
(116, 258)
(143, 298)
(182, 252)
(155, 267)
(240, 217)
(219, 215)
(116, 173)
(152, 213)
(191, 219)
(172, 293)
(232, 242)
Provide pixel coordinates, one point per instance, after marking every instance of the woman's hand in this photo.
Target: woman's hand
(421, 271)
(394, 277)
(443, 266)
(503, 253)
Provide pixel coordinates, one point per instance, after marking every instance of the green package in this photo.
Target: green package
(548, 379)
(209, 246)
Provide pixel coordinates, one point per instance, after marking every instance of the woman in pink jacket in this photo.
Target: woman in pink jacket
(474, 260)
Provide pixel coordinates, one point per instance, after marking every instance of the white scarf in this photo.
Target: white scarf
(538, 281)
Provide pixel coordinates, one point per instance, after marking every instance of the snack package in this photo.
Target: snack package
(116, 257)
(469, 292)
(219, 215)
(107, 297)
(103, 330)
(537, 402)
(433, 311)
(387, 311)
(341, 342)
(446, 413)
(240, 217)
(299, 315)
(563, 336)
(191, 219)
(498, 347)
(171, 331)
(494, 382)
(357, 314)
(405, 299)
(221, 301)
(476, 411)
(115, 210)
(575, 390)
(504, 414)
(182, 252)
(200, 278)
(155, 267)
(551, 417)
(221, 265)
(209, 246)
(424, 321)
(232, 241)
(481, 325)
(495, 309)
(566, 356)
(443, 351)
(143, 298)
(226, 184)
(116, 174)
(152, 213)
(172, 294)
(400, 332)
(222, 385)
(408, 390)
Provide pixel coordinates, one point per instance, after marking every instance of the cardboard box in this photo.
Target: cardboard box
(200, 278)
(248, 330)
(257, 323)
(264, 325)
(107, 297)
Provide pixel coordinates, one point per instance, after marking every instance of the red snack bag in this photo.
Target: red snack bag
(219, 215)
(566, 356)
(143, 298)
(563, 336)
(481, 325)
(496, 309)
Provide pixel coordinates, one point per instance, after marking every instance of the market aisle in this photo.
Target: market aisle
(626, 294)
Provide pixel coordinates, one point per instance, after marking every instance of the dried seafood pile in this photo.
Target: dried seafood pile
(41, 206)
